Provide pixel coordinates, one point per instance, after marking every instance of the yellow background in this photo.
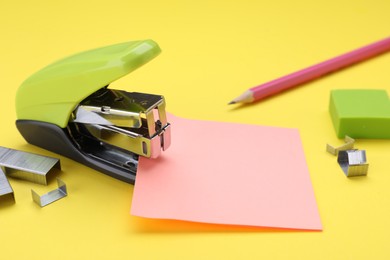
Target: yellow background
(212, 51)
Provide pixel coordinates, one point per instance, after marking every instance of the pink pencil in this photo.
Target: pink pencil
(302, 76)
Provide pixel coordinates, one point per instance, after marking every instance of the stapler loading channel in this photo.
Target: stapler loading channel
(67, 108)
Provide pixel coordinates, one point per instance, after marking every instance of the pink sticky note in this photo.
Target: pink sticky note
(226, 173)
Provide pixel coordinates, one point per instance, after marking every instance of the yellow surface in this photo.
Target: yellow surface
(212, 51)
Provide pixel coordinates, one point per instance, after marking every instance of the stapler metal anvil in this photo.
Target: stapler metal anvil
(68, 108)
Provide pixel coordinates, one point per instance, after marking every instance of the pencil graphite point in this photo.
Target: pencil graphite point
(246, 97)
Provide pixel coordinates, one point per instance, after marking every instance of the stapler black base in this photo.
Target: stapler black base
(72, 143)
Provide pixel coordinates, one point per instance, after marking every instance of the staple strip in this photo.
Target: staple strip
(349, 143)
(51, 196)
(27, 166)
(6, 190)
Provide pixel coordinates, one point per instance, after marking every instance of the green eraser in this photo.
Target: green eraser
(360, 113)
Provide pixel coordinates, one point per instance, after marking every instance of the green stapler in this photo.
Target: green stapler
(67, 108)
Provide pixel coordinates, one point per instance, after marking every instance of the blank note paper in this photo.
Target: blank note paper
(226, 173)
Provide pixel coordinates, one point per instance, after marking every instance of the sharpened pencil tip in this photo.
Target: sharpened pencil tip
(232, 102)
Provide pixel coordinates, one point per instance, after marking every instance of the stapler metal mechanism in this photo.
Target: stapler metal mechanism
(68, 108)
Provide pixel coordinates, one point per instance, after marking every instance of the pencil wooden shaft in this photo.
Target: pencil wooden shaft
(318, 70)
